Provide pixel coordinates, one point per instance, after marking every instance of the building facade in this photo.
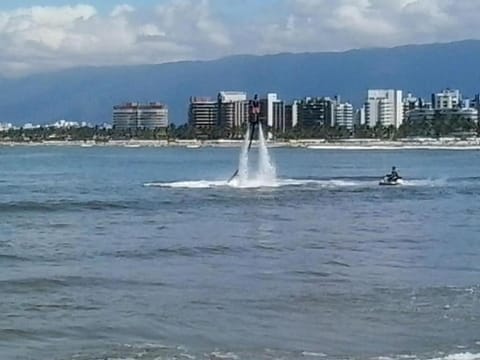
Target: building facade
(273, 113)
(316, 112)
(203, 114)
(324, 111)
(344, 115)
(232, 109)
(360, 119)
(140, 116)
(447, 99)
(384, 107)
(291, 115)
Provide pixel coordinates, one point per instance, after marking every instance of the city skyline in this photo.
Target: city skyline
(59, 34)
(229, 109)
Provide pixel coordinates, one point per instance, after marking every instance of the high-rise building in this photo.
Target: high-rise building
(447, 104)
(344, 115)
(447, 99)
(272, 112)
(152, 116)
(291, 115)
(360, 117)
(125, 116)
(203, 113)
(316, 112)
(384, 107)
(232, 109)
(140, 116)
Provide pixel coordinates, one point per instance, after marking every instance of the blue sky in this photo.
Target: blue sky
(103, 4)
(229, 8)
(40, 35)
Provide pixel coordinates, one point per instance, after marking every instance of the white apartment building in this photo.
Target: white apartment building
(233, 108)
(344, 115)
(384, 107)
(272, 99)
(447, 99)
(273, 112)
(360, 116)
(144, 116)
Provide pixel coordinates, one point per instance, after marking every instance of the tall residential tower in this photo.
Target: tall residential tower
(384, 107)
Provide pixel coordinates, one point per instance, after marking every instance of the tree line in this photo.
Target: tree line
(434, 128)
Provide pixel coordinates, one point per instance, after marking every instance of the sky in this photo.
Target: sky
(45, 35)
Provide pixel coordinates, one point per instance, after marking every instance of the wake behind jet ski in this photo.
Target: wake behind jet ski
(392, 179)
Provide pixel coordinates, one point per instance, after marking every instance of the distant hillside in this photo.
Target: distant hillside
(88, 94)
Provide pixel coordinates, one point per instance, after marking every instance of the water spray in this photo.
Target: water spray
(253, 122)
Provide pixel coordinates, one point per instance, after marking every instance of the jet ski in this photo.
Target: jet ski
(391, 181)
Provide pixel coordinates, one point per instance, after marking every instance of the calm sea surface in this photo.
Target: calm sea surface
(132, 253)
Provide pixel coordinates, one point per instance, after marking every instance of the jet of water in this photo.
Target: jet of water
(243, 161)
(266, 172)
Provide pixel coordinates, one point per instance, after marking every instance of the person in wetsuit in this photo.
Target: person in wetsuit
(393, 175)
(254, 110)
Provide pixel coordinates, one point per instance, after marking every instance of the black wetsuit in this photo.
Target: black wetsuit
(393, 176)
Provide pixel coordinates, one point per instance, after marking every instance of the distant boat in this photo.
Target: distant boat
(132, 145)
(193, 146)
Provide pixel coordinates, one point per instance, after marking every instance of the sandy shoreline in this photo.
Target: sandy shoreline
(314, 144)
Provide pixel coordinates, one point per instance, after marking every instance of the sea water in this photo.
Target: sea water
(138, 253)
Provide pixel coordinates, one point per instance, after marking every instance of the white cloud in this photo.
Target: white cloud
(47, 37)
(44, 38)
(192, 21)
(316, 25)
(120, 10)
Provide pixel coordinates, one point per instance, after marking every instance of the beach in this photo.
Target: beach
(316, 144)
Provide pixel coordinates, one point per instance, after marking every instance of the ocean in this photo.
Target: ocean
(144, 253)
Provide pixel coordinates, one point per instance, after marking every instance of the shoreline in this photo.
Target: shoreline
(313, 144)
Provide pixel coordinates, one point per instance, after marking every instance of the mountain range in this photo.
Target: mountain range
(88, 93)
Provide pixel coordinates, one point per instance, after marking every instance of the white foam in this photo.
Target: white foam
(220, 355)
(460, 356)
(255, 183)
(194, 184)
(313, 354)
(188, 356)
(267, 182)
(425, 182)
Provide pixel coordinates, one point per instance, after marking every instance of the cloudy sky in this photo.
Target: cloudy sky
(52, 34)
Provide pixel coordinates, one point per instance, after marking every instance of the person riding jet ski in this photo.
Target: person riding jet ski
(393, 176)
(391, 179)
